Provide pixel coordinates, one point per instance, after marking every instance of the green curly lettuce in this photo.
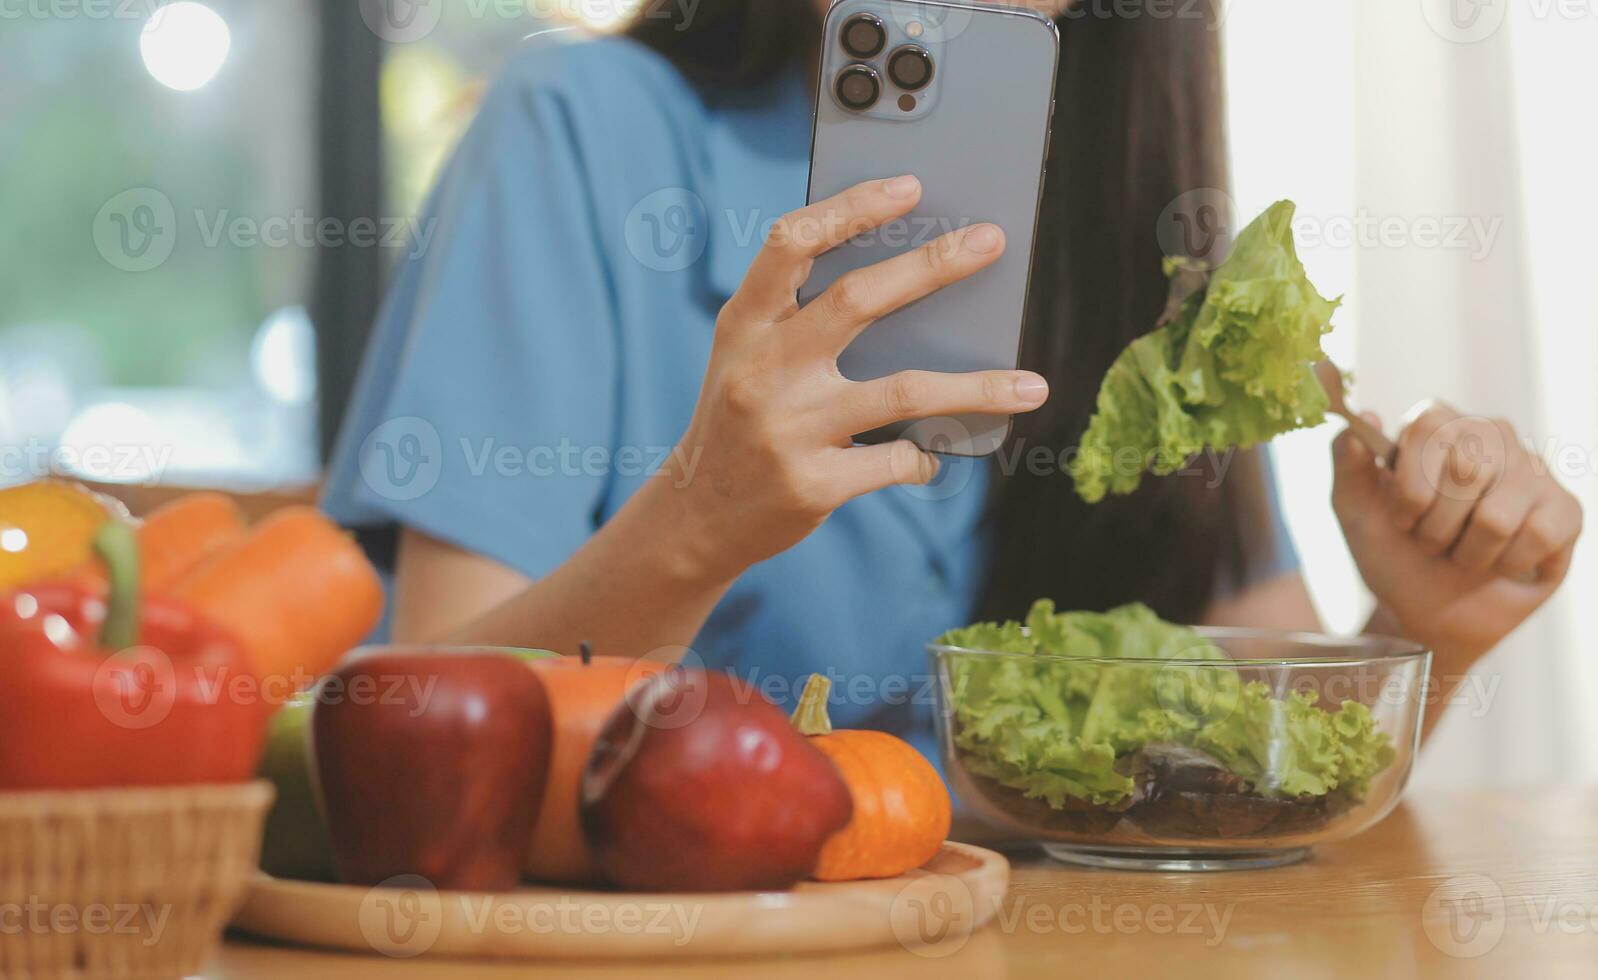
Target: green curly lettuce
(1054, 728)
(1318, 751)
(1232, 367)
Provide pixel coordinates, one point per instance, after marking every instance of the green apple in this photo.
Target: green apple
(296, 844)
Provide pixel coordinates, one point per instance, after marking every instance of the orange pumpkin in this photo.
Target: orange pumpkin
(901, 808)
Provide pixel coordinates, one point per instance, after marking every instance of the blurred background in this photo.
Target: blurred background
(247, 124)
(1440, 151)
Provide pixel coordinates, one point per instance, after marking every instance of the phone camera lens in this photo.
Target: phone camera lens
(858, 87)
(864, 36)
(910, 68)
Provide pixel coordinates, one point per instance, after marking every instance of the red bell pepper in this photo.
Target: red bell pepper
(100, 691)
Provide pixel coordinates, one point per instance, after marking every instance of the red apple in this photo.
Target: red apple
(431, 763)
(697, 783)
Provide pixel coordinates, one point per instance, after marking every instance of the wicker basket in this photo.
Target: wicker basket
(123, 883)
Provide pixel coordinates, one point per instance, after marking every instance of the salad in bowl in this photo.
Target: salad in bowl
(1118, 739)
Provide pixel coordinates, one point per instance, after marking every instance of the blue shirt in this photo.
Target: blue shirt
(535, 363)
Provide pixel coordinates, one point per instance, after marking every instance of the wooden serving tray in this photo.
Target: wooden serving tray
(945, 900)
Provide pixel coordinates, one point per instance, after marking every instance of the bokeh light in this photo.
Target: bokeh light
(604, 15)
(283, 356)
(184, 45)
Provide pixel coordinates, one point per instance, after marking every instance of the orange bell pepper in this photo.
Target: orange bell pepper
(296, 589)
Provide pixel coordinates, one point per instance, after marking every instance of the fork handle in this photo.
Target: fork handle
(1374, 439)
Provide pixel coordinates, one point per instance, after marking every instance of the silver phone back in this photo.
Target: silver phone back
(977, 138)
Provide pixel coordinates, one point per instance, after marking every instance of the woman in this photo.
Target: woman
(598, 299)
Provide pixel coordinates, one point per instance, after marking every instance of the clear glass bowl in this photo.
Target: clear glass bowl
(1186, 810)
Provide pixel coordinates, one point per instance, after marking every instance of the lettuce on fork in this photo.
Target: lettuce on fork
(1230, 366)
(1054, 722)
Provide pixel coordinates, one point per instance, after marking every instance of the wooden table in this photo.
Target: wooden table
(1515, 875)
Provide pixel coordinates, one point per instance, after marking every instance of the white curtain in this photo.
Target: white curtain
(1442, 152)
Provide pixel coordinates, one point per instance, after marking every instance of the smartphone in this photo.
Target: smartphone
(960, 94)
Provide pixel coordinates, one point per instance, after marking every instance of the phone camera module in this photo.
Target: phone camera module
(910, 68)
(858, 87)
(864, 36)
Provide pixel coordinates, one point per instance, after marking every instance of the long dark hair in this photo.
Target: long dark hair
(1139, 123)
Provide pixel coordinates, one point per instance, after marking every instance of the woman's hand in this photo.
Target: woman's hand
(766, 458)
(769, 454)
(1464, 540)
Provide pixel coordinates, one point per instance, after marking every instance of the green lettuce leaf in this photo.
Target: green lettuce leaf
(1318, 751)
(1232, 367)
(1053, 723)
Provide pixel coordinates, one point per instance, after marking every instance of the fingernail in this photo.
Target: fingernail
(982, 239)
(902, 187)
(1031, 389)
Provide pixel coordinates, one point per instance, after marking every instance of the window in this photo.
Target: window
(433, 78)
(1441, 171)
(157, 177)
(179, 194)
